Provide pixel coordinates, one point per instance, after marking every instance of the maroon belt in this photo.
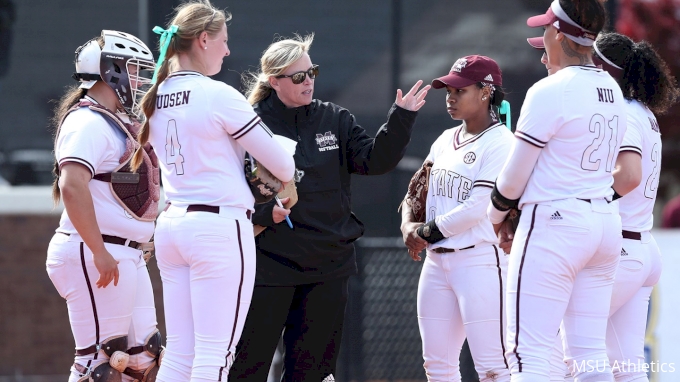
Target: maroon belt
(588, 200)
(449, 250)
(115, 240)
(205, 208)
(631, 235)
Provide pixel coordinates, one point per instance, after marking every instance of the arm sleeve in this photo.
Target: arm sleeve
(632, 139)
(239, 120)
(87, 146)
(471, 211)
(375, 156)
(515, 175)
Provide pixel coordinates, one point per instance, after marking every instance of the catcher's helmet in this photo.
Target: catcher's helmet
(112, 63)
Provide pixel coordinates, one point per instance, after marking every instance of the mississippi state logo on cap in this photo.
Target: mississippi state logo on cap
(459, 65)
(470, 70)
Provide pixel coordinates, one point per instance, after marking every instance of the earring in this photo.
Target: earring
(484, 98)
(205, 47)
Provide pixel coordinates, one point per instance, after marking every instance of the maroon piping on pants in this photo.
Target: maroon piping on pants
(519, 284)
(238, 300)
(94, 305)
(500, 287)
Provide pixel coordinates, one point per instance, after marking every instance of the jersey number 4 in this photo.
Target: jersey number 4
(172, 148)
(594, 154)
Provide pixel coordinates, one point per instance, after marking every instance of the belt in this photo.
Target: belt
(116, 240)
(631, 235)
(206, 208)
(588, 200)
(449, 250)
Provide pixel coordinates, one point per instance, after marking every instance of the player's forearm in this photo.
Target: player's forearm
(466, 215)
(406, 214)
(512, 180)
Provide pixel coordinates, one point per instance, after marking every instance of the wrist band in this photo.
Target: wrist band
(500, 202)
(430, 232)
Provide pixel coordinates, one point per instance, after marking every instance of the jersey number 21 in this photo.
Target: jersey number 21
(600, 125)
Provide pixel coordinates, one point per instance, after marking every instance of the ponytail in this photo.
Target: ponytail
(647, 79)
(72, 96)
(148, 105)
(645, 76)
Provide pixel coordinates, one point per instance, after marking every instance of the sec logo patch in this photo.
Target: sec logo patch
(469, 157)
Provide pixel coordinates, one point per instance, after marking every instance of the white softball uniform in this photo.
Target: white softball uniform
(460, 294)
(201, 130)
(567, 245)
(640, 264)
(96, 314)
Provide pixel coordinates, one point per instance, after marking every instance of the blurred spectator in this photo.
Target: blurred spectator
(671, 214)
(7, 17)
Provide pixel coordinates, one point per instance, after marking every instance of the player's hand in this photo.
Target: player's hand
(506, 236)
(414, 99)
(413, 242)
(107, 267)
(497, 227)
(278, 213)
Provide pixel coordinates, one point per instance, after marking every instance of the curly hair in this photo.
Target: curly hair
(646, 77)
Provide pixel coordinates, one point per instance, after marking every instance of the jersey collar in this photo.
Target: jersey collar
(183, 73)
(457, 143)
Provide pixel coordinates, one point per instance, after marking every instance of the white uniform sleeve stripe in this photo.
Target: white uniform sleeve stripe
(266, 128)
(87, 164)
(244, 132)
(529, 141)
(482, 185)
(631, 148)
(247, 126)
(483, 182)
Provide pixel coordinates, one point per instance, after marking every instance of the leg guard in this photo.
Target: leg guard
(102, 373)
(152, 345)
(114, 348)
(148, 375)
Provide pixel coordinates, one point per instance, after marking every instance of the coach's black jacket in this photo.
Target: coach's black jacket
(331, 147)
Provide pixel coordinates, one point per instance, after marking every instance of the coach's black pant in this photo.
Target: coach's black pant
(311, 317)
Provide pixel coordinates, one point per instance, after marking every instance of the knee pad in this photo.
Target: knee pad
(148, 375)
(152, 345)
(102, 373)
(115, 348)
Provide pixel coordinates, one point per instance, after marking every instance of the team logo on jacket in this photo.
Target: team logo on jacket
(469, 157)
(327, 141)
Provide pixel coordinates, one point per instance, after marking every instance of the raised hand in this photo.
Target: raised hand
(414, 99)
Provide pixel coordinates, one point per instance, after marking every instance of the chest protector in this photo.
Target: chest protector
(137, 192)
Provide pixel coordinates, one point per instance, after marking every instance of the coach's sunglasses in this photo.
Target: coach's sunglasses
(299, 77)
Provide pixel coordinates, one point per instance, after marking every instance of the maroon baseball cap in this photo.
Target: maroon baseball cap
(470, 70)
(536, 42)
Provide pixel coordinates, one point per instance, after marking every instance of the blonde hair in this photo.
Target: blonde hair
(192, 18)
(278, 57)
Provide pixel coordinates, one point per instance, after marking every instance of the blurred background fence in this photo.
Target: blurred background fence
(366, 49)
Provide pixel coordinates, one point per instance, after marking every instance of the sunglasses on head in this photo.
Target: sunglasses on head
(299, 77)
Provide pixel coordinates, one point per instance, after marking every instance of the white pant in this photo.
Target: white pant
(639, 270)
(207, 264)
(125, 309)
(461, 294)
(561, 268)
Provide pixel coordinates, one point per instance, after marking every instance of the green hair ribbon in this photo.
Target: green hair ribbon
(505, 109)
(166, 37)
